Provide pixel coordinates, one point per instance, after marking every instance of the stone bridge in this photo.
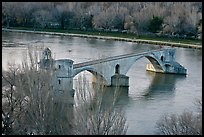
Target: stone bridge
(113, 70)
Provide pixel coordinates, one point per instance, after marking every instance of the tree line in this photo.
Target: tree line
(167, 18)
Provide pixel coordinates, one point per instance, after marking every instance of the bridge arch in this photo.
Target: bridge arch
(94, 72)
(157, 64)
(117, 67)
(156, 61)
(160, 61)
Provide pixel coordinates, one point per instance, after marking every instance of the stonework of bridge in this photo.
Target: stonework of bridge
(113, 70)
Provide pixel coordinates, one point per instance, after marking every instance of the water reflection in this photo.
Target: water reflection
(162, 84)
(119, 94)
(138, 47)
(92, 42)
(184, 54)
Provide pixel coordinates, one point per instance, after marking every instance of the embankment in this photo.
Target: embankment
(174, 44)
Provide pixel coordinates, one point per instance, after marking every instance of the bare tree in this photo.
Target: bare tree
(42, 18)
(32, 106)
(11, 100)
(37, 109)
(96, 111)
(185, 124)
(8, 13)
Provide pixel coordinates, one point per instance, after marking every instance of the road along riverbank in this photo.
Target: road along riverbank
(173, 44)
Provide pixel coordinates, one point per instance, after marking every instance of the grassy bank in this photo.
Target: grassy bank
(193, 43)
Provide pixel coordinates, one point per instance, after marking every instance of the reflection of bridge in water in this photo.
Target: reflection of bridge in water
(112, 70)
(162, 84)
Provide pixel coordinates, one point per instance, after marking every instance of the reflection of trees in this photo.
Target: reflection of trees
(139, 47)
(162, 83)
(92, 41)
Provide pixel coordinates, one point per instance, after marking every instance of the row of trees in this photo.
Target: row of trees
(135, 17)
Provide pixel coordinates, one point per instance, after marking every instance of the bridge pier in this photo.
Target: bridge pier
(119, 80)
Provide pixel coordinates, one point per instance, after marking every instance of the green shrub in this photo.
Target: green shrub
(155, 24)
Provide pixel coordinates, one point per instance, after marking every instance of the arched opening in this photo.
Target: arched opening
(162, 58)
(90, 76)
(155, 63)
(86, 81)
(117, 69)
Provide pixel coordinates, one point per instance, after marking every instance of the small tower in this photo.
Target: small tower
(47, 54)
(63, 76)
(46, 61)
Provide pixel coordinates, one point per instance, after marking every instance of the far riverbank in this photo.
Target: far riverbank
(136, 40)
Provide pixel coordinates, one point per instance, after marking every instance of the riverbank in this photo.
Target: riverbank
(136, 40)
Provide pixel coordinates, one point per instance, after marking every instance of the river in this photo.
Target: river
(149, 96)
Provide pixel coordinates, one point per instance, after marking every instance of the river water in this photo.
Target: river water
(149, 95)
